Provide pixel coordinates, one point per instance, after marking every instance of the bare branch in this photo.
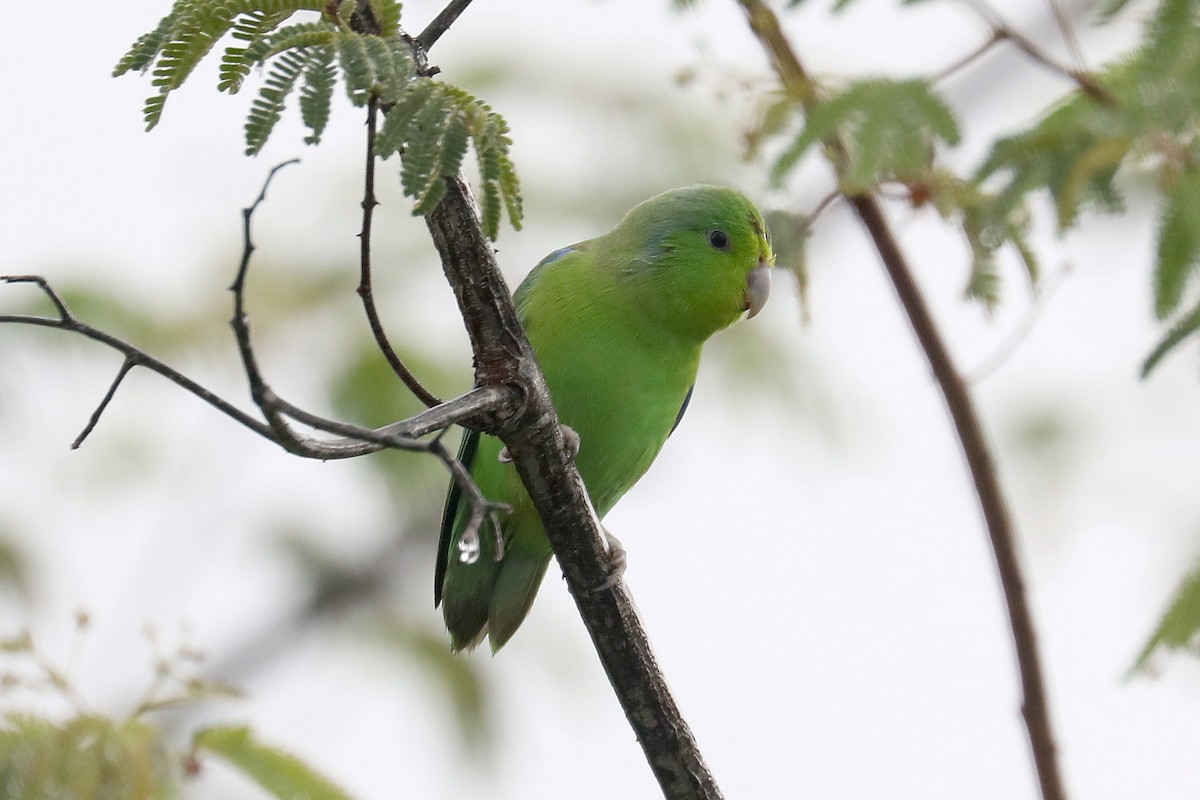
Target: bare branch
(355, 441)
(1063, 21)
(969, 58)
(364, 285)
(434, 30)
(129, 363)
(68, 322)
(1000, 28)
(992, 502)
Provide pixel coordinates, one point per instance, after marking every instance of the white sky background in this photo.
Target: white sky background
(817, 583)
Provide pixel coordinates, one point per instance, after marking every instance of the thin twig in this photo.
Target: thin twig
(969, 58)
(465, 409)
(1068, 33)
(1019, 332)
(1081, 77)
(364, 283)
(356, 441)
(67, 322)
(129, 363)
(1001, 530)
(826, 203)
(434, 30)
(275, 410)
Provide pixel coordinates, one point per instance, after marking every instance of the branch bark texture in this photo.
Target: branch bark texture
(967, 424)
(534, 440)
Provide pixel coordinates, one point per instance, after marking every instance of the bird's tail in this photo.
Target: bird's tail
(516, 585)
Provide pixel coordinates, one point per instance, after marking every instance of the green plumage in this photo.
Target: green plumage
(617, 324)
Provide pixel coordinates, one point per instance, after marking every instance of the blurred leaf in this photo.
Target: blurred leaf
(889, 128)
(776, 109)
(789, 240)
(281, 774)
(1178, 243)
(989, 222)
(368, 391)
(86, 757)
(14, 569)
(1109, 9)
(1178, 627)
(1178, 332)
(458, 677)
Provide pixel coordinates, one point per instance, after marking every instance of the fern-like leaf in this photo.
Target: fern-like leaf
(358, 68)
(1185, 328)
(1178, 243)
(289, 37)
(316, 94)
(431, 123)
(237, 61)
(890, 130)
(387, 12)
(268, 106)
(421, 154)
(147, 47)
(397, 125)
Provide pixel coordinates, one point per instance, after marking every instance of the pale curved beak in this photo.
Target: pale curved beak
(758, 288)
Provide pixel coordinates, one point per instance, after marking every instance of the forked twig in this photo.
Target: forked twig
(354, 440)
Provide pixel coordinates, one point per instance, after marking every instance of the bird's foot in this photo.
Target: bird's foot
(616, 565)
(571, 441)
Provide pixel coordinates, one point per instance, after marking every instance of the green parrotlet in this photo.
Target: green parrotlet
(617, 324)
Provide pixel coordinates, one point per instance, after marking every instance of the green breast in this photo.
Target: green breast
(619, 385)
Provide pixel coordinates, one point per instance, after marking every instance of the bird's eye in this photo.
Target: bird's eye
(718, 239)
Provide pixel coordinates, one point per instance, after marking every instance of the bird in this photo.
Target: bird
(617, 324)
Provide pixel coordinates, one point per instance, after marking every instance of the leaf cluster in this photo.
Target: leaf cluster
(882, 132)
(429, 122)
(87, 756)
(1149, 125)
(1140, 115)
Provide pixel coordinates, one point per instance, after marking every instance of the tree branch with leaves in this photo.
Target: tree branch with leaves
(430, 125)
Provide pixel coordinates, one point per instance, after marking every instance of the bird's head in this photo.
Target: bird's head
(703, 258)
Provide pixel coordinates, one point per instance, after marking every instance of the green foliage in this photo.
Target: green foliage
(1179, 626)
(281, 774)
(429, 123)
(14, 569)
(87, 756)
(888, 131)
(1178, 242)
(1110, 8)
(1143, 114)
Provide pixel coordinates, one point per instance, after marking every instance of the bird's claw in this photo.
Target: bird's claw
(570, 441)
(616, 565)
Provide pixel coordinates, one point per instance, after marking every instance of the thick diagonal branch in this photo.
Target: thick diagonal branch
(534, 439)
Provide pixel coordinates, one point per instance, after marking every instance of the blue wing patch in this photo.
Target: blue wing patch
(556, 255)
(683, 408)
